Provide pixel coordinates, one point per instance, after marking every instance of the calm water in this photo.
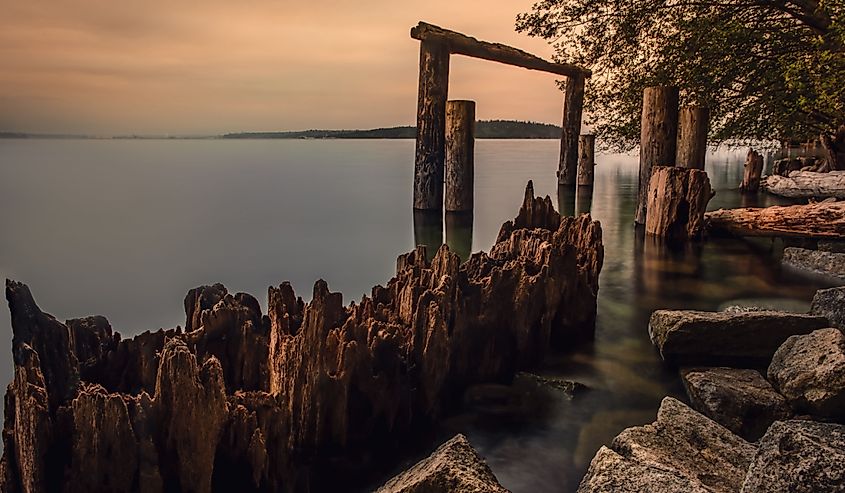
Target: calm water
(125, 228)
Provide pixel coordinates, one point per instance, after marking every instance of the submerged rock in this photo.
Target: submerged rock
(830, 303)
(455, 467)
(799, 457)
(809, 370)
(740, 400)
(815, 261)
(736, 337)
(683, 451)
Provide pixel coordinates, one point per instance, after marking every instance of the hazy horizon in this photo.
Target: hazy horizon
(97, 67)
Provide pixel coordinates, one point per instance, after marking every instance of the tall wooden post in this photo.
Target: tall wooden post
(460, 152)
(658, 138)
(431, 126)
(692, 137)
(586, 160)
(573, 106)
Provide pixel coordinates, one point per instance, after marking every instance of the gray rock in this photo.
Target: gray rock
(683, 451)
(455, 467)
(809, 370)
(773, 304)
(818, 262)
(830, 303)
(835, 246)
(740, 400)
(733, 338)
(799, 457)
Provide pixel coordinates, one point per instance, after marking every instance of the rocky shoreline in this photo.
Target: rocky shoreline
(304, 397)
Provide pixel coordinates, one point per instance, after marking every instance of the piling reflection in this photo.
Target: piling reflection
(583, 200)
(428, 230)
(459, 233)
(566, 200)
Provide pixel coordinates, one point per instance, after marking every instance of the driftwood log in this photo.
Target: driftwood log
(692, 137)
(823, 220)
(306, 397)
(677, 200)
(752, 172)
(807, 185)
(658, 138)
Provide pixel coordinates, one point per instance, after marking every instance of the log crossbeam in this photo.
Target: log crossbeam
(461, 44)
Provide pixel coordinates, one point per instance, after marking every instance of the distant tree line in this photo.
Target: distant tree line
(485, 129)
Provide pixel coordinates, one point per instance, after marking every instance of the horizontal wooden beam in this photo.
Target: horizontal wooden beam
(461, 44)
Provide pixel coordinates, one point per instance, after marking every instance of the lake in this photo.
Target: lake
(124, 228)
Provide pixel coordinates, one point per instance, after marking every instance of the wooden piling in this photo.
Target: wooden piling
(658, 138)
(692, 137)
(573, 106)
(431, 126)
(752, 172)
(586, 160)
(460, 152)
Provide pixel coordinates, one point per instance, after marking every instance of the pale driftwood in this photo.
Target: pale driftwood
(806, 184)
(823, 220)
(586, 160)
(692, 137)
(573, 105)
(658, 138)
(677, 199)
(460, 151)
(752, 172)
(431, 126)
(461, 44)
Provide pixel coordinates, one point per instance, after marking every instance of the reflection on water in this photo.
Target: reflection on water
(566, 200)
(583, 200)
(459, 233)
(428, 232)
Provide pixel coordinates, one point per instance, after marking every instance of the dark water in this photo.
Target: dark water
(125, 228)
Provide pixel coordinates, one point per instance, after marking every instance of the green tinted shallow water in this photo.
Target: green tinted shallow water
(125, 228)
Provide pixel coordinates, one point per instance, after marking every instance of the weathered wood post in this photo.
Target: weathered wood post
(586, 160)
(752, 172)
(573, 106)
(460, 152)
(692, 137)
(431, 126)
(658, 138)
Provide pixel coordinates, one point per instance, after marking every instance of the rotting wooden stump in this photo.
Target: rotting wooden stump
(658, 138)
(677, 200)
(692, 137)
(752, 172)
(822, 220)
(460, 152)
(586, 160)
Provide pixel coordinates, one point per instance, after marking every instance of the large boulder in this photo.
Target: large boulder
(830, 303)
(733, 337)
(815, 261)
(740, 400)
(455, 467)
(799, 457)
(809, 370)
(683, 451)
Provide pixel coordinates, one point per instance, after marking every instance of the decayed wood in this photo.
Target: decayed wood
(692, 137)
(460, 151)
(677, 200)
(752, 172)
(431, 126)
(586, 160)
(806, 184)
(833, 147)
(461, 44)
(573, 106)
(658, 138)
(819, 220)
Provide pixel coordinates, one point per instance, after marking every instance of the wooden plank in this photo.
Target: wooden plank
(461, 44)
(822, 220)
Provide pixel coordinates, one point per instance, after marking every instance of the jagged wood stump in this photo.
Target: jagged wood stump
(677, 201)
(752, 172)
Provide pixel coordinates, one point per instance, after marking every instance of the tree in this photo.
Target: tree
(767, 69)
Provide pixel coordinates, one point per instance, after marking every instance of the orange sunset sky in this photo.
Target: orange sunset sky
(210, 66)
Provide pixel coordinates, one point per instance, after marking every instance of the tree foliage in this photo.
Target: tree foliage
(766, 69)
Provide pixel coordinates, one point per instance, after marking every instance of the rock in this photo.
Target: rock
(830, 303)
(799, 457)
(835, 246)
(455, 467)
(815, 261)
(734, 338)
(806, 185)
(681, 451)
(740, 400)
(809, 370)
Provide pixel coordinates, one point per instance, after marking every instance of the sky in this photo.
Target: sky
(190, 67)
